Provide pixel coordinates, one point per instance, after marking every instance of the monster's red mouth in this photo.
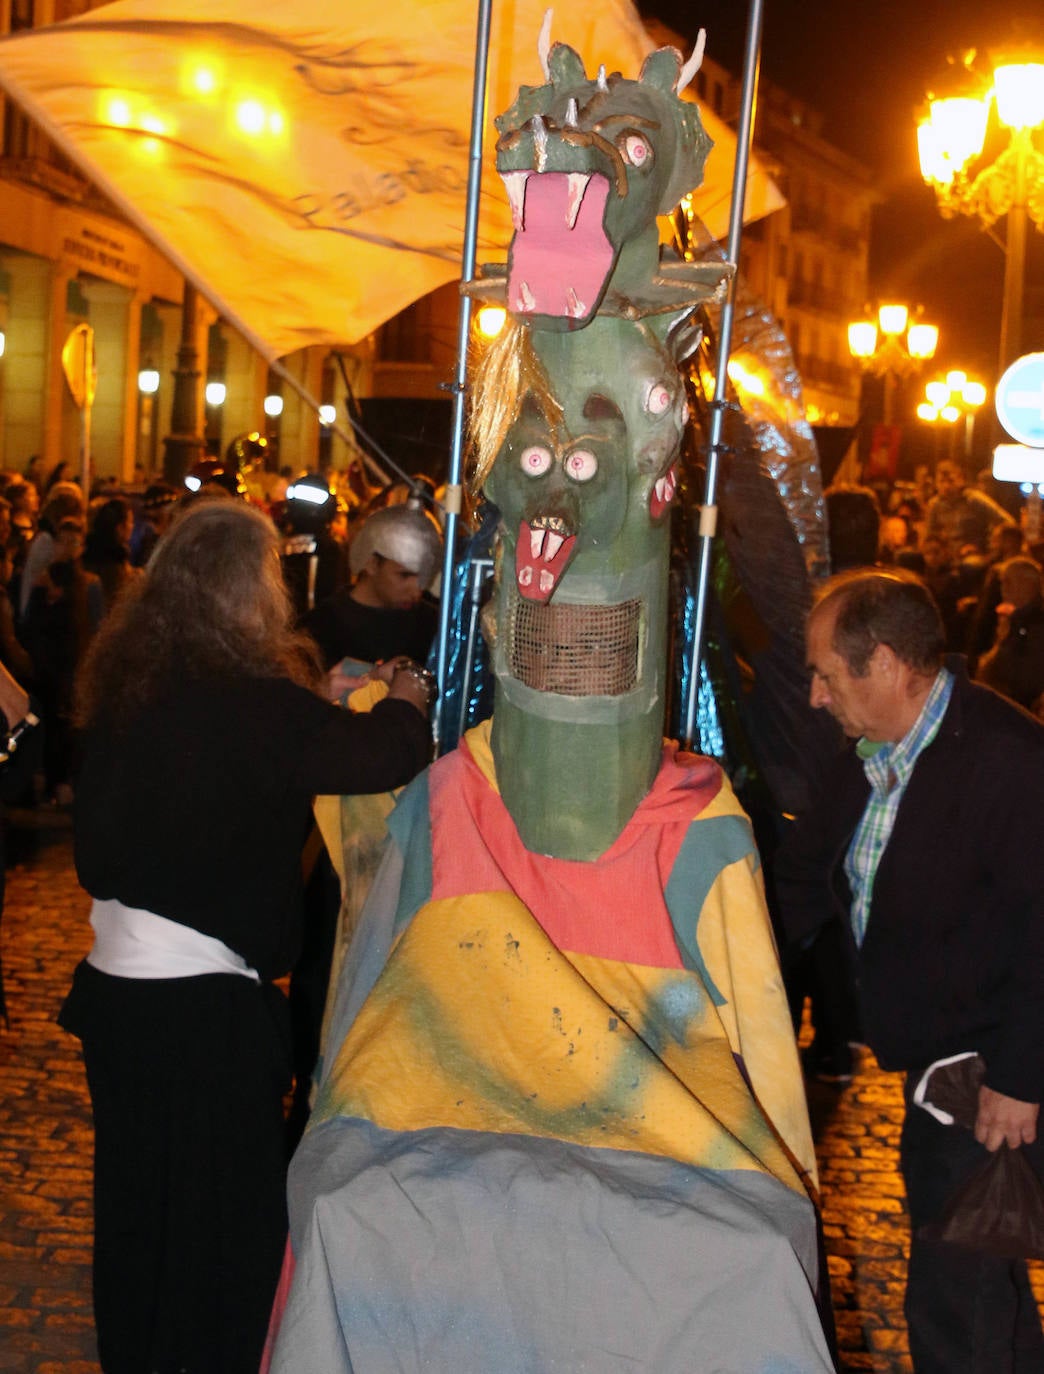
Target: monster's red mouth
(663, 492)
(560, 255)
(540, 559)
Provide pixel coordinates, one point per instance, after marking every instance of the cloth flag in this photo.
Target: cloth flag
(305, 165)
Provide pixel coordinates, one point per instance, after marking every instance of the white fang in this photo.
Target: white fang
(577, 186)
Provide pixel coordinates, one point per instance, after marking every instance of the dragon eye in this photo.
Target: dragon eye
(581, 465)
(535, 461)
(636, 149)
(658, 399)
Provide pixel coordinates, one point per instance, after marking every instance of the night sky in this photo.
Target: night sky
(866, 68)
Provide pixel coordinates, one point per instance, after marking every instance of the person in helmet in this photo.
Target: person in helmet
(313, 562)
(213, 473)
(393, 559)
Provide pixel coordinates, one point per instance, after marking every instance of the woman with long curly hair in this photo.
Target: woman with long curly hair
(204, 742)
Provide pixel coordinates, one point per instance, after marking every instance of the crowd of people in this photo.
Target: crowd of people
(180, 657)
(985, 572)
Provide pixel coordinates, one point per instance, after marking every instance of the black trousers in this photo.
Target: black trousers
(967, 1312)
(187, 1077)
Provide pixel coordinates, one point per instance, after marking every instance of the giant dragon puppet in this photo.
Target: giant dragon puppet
(562, 1124)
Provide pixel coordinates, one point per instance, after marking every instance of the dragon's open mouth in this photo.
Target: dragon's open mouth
(560, 255)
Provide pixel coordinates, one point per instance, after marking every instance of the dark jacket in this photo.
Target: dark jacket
(953, 957)
(198, 806)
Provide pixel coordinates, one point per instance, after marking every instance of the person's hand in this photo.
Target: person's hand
(339, 684)
(1005, 1120)
(386, 669)
(410, 682)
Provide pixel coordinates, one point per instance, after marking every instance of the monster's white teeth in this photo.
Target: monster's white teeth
(525, 576)
(539, 142)
(669, 486)
(551, 545)
(526, 299)
(577, 186)
(547, 581)
(661, 489)
(536, 542)
(515, 182)
(577, 308)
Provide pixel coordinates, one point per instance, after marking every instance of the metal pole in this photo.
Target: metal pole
(454, 490)
(709, 511)
(185, 444)
(1014, 259)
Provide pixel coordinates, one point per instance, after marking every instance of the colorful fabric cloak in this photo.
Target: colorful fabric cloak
(562, 1124)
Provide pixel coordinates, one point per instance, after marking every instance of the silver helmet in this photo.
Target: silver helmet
(404, 535)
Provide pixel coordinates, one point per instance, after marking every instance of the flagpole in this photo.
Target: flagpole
(709, 509)
(454, 488)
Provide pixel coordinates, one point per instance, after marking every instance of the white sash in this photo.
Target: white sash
(130, 943)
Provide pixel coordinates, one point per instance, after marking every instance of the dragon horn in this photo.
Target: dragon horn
(694, 63)
(544, 43)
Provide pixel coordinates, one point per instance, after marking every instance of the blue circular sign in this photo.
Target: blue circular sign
(1020, 400)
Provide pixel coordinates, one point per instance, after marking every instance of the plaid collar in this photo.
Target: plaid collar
(887, 765)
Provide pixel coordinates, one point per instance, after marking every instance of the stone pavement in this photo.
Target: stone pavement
(45, 1150)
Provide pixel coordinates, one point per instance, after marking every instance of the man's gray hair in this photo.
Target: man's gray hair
(883, 606)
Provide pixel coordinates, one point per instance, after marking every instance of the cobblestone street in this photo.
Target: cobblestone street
(45, 1151)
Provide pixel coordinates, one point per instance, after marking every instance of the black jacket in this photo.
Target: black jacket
(953, 957)
(197, 808)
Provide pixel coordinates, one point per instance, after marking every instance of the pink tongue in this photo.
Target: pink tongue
(556, 270)
(535, 576)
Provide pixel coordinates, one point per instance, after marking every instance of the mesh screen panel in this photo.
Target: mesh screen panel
(578, 651)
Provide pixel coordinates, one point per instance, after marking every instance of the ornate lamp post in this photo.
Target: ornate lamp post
(950, 400)
(892, 346)
(951, 142)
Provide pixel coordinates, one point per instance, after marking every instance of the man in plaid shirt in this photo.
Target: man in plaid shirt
(927, 842)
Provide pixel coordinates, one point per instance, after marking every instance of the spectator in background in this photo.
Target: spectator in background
(959, 514)
(60, 475)
(158, 510)
(65, 502)
(63, 612)
(1014, 663)
(107, 549)
(853, 524)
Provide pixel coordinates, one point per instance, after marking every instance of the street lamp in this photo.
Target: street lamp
(894, 345)
(950, 145)
(949, 399)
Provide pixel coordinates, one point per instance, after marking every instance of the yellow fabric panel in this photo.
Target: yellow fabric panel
(481, 1023)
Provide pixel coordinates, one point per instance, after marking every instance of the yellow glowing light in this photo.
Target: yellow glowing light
(744, 380)
(950, 414)
(935, 165)
(204, 80)
(960, 128)
(892, 319)
(973, 394)
(922, 340)
(955, 380)
(118, 112)
(926, 411)
(862, 339)
(1019, 88)
(490, 321)
(813, 414)
(276, 123)
(250, 116)
(152, 125)
(938, 393)
(327, 414)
